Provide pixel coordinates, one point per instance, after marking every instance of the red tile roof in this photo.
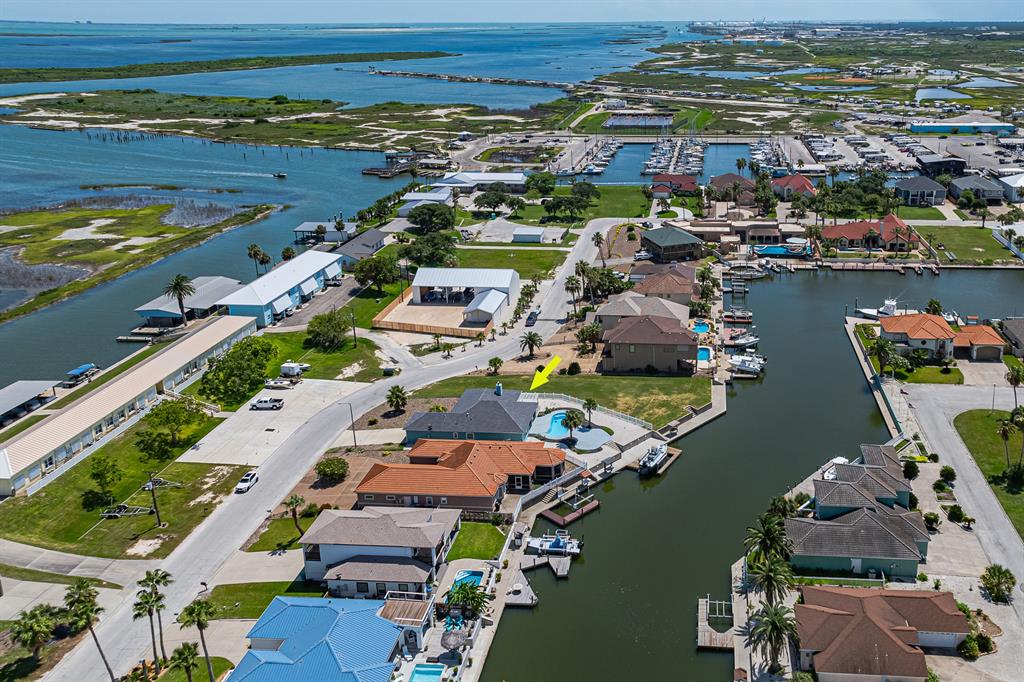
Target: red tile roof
(978, 335)
(918, 326)
(687, 183)
(661, 188)
(463, 468)
(886, 228)
(798, 183)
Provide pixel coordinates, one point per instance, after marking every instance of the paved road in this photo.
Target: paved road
(202, 554)
(934, 408)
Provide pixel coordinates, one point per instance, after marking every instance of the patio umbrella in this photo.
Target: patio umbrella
(453, 640)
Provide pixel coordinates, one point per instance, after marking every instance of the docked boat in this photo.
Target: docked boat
(746, 363)
(653, 459)
(738, 315)
(889, 308)
(745, 340)
(559, 544)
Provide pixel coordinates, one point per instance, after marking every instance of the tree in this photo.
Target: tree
(83, 610)
(332, 469)
(146, 605)
(1017, 417)
(1015, 377)
(530, 342)
(186, 659)
(773, 576)
(585, 190)
(767, 537)
(741, 163)
(287, 253)
(153, 580)
(984, 214)
(105, 473)
(543, 183)
(782, 506)
(480, 337)
(34, 628)
(910, 470)
(589, 334)
(490, 200)
(254, 252)
(495, 365)
(598, 240)
(573, 288)
(773, 626)
(236, 375)
(292, 504)
(432, 217)
(174, 416)
(179, 288)
(469, 596)
(198, 614)
(999, 582)
(377, 271)
(572, 420)
(590, 405)
(947, 474)
(321, 232)
(329, 331)
(435, 249)
(885, 352)
(515, 205)
(1006, 430)
(265, 260)
(397, 398)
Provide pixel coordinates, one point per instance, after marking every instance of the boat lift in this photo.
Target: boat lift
(122, 510)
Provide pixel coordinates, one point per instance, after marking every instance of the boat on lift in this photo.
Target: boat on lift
(746, 363)
(889, 308)
(738, 315)
(653, 459)
(559, 544)
(744, 340)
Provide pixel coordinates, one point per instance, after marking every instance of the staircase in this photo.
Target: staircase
(550, 496)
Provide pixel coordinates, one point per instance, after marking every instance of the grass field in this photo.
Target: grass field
(969, 244)
(253, 598)
(281, 535)
(656, 399)
(111, 373)
(368, 302)
(977, 428)
(920, 213)
(23, 424)
(616, 201)
(325, 364)
(476, 541)
(529, 263)
(101, 244)
(65, 515)
(32, 575)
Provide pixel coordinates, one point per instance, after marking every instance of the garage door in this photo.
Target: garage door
(987, 353)
(946, 640)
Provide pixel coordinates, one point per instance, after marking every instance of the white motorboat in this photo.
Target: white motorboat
(738, 315)
(742, 341)
(653, 459)
(889, 308)
(559, 544)
(745, 363)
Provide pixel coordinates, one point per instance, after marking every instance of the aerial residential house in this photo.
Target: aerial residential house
(637, 344)
(438, 195)
(291, 283)
(934, 165)
(920, 190)
(1013, 188)
(725, 183)
(369, 552)
(678, 184)
(479, 414)
(644, 269)
(1013, 330)
(462, 474)
(163, 311)
(874, 635)
(979, 342)
(671, 285)
(789, 185)
(363, 245)
(983, 189)
(888, 234)
(334, 232)
(661, 191)
(631, 304)
(488, 295)
(471, 181)
(919, 330)
(668, 244)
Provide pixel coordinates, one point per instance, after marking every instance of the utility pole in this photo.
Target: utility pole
(352, 314)
(152, 492)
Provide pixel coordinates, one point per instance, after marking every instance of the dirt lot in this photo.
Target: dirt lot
(386, 419)
(343, 495)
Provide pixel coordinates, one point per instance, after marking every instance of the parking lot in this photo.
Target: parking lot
(249, 437)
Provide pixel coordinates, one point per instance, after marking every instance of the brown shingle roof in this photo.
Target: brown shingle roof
(382, 527)
(862, 533)
(918, 326)
(665, 283)
(649, 329)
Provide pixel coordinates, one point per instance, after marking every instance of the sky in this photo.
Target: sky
(450, 11)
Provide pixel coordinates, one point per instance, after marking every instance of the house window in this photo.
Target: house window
(362, 588)
(403, 587)
(390, 498)
(444, 500)
(430, 501)
(632, 348)
(312, 552)
(368, 498)
(382, 589)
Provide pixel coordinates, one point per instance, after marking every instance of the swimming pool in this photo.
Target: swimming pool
(427, 672)
(701, 326)
(471, 577)
(556, 428)
(703, 353)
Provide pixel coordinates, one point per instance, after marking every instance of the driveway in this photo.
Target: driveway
(249, 437)
(225, 638)
(259, 567)
(21, 595)
(331, 298)
(982, 373)
(500, 230)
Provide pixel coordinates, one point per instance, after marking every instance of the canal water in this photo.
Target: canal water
(626, 166)
(629, 608)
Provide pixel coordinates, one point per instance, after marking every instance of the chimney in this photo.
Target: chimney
(497, 388)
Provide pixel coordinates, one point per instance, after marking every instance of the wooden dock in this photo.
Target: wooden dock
(563, 521)
(525, 596)
(560, 565)
(707, 636)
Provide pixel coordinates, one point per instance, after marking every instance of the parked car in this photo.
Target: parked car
(647, 223)
(247, 481)
(642, 255)
(267, 404)
(531, 319)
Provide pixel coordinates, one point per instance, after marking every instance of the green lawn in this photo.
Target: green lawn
(220, 666)
(657, 399)
(111, 373)
(616, 201)
(281, 535)
(529, 263)
(476, 541)
(66, 516)
(920, 213)
(977, 428)
(368, 302)
(22, 424)
(848, 582)
(32, 575)
(249, 600)
(969, 244)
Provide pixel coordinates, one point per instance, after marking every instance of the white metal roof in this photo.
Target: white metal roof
(329, 225)
(528, 231)
(461, 278)
(281, 279)
(20, 392)
(436, 194)
(31, 445)
(480, 177)
(1013, 180)
(488, 301)
(209, 290)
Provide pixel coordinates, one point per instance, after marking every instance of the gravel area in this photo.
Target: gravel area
(386, 419)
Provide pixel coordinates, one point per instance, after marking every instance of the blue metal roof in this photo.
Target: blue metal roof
(321, 639)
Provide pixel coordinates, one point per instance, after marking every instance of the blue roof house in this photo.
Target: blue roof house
(299, 639)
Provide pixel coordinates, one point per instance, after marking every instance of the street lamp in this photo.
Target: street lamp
(352, 416)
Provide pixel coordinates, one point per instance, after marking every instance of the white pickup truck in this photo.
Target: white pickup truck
(267, 404)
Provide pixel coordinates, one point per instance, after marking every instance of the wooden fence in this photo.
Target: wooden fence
(379, 322)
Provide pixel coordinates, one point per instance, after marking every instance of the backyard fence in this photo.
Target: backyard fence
(380, 322)
(599, 409)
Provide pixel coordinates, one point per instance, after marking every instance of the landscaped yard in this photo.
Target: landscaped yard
(968, 244)
(253, 598)
(616, 201)
(928, 374)
(65, 515)
(920, 213)
(529, 263)
(111, 373)
(220, 666)
(977, 428)
(281, 535)
(476, 541)
(657, 399)
(369, 301)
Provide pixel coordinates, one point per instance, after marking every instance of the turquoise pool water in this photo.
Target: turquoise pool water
(703, 353)
(471, 577)
(556, 428)
(701, 327)
(427, 672)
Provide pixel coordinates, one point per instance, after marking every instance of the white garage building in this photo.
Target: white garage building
(488, 294)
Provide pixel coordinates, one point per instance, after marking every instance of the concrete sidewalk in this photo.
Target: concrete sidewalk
(21, 595)
(119, 571)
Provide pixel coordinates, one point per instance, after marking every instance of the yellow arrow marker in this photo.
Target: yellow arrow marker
(540, 377)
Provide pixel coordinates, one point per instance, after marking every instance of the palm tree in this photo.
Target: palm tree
(186, 659)
(292, 504)
(1005, 431)
(154, 580)
(934, 307)
(504, 328)
(480, 338)
(590, 405)
(397, 398)
(1015, 377)
(598, 240)
(572, 420)
(437, 341)
(530, 342)
(34, 628)
(741, 163)
(469, 596)
(83, 610)
(1017, 417)
(736, 188)
(146, 605)
(254, 252)
(179, 288)
(265, 260)
(773, 576)
(782, 506)
(984, 214)
(572, 287)
(198, 614)
(833, 173)
(773, 626)
(883, 350)
(768, 537)
(287, 253)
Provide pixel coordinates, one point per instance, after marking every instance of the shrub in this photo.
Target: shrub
(947, 474)
(922, 577)
(803, 676)
(999, 582)
(985, 644)
(326, 505)
(964, 609)
(372, 421)
(910, 470)
(969, 648)
(311, 509)
(936, 584)
(332, 469)
(573, 368)
(932, 520)
(912, 501)
(933, 457)
(940, 486)
(650, 369)
(956, 513)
